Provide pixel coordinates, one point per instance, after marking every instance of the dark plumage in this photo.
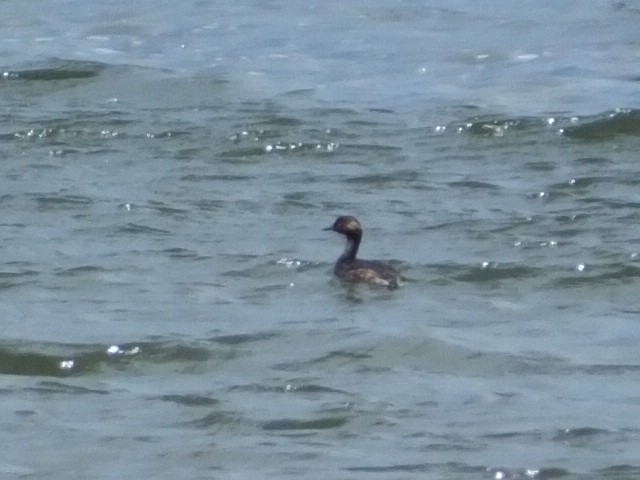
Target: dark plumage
(351, 269)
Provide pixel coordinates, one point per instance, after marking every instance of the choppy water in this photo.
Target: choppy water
(167, 302)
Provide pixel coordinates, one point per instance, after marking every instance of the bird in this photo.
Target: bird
(351, 269)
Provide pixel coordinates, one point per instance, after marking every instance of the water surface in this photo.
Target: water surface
(167, 298)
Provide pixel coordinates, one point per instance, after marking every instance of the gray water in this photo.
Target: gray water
(167, 302)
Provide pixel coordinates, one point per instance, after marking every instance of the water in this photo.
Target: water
(167, 299)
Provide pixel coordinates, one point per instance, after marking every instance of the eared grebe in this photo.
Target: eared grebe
(349, 268)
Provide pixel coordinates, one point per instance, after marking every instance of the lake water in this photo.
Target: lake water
(167, 299)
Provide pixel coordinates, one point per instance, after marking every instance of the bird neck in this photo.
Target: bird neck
(350, 251)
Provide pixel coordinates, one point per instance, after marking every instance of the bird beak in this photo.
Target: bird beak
(328, 228)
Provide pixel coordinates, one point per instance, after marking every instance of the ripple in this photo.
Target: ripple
(371, 148)
(406, 467)
(404, 178)
(613, 204)
(63, 360)
(67, 70)
(52, 202)
(164, 209)
(183, 253)
(76, 271)
(279, 120)
(215, 178)
(341, 356)
(15, 277)
(16, 362)
(611, 369)
(527, 473)
(579, 433)
(613, 273)
(521, 436)
(474, 185)
(620, 472)
(312, 388)
(189, 400)
(494, 272)
(59, 387)
(593, 161)
(292, 387)
(142, 229)
(215, 419)
(243, 153)
(210, 205)
(497, 126)
(239, 339)
(607, 126)
(298, 424)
